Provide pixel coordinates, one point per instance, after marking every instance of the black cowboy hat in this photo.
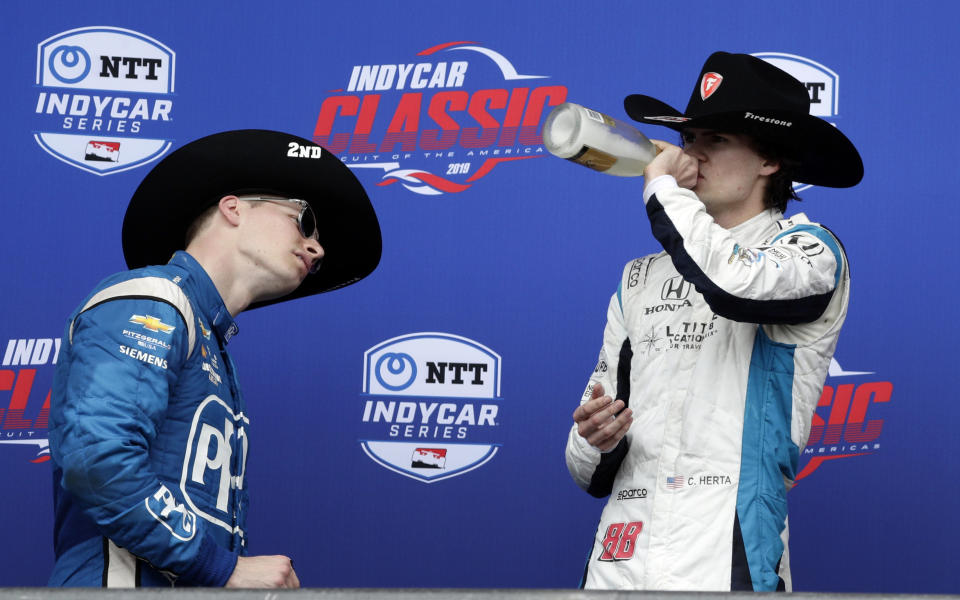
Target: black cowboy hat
(740, 93)
(253, 161)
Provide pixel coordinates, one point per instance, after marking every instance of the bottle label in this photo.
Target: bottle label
(594, 159)
(602, 118)
(598, 117)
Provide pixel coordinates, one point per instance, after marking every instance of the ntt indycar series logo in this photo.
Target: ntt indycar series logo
(104, 98)
(439, 121)
(822, 82)
(431, 405)
(848, 422)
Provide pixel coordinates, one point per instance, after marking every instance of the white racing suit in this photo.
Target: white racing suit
(720, 346)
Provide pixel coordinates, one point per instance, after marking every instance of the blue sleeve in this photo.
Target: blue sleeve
(107, 408)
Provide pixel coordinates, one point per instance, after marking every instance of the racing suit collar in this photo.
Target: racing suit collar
(756, 225)
(207, 297)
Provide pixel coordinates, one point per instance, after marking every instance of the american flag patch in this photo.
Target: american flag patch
(675, 482)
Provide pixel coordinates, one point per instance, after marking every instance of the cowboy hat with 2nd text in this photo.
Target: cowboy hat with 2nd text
(254, 161)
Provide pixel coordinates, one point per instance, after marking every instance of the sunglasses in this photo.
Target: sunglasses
(306, 220)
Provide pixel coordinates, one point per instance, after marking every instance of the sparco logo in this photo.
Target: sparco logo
(822, 84)
(26, 373)
(635, 494)
(431, 405)
(842, 429)
(105, 98)
(439, 121)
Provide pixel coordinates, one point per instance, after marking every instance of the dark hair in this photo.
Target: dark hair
(779, 188)
(198, 224)
(205, 217)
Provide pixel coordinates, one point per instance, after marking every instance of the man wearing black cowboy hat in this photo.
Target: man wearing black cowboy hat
(715, 350)
(148, 429)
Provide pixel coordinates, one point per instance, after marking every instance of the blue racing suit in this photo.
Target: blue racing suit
(148, 435)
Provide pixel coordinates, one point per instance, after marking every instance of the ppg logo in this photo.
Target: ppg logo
(69, 64)
(174, 516)
(215, 459)
(395, 371)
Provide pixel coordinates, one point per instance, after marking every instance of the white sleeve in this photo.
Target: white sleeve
(590, 468)
(788, 279)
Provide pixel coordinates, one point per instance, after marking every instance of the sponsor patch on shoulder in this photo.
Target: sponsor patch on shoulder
(151, 323)
(145, 341)
(142, 356)
(203, 330)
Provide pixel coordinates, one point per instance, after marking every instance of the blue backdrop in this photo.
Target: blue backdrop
(497, 257)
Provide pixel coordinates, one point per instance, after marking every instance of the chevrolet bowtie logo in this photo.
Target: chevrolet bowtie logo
(151, 323)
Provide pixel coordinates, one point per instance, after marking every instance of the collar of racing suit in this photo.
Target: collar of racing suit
(754, 229)
(207, 297)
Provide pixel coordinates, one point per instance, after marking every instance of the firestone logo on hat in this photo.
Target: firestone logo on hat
(709, 84)
(105, 98)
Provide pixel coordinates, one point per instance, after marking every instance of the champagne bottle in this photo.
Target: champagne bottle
(597, 141)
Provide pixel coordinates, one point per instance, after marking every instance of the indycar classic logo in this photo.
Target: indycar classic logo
(843, 429)
(25, 373)
(105, 98)
(431, 405)
(822, 84)
(437, 122)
